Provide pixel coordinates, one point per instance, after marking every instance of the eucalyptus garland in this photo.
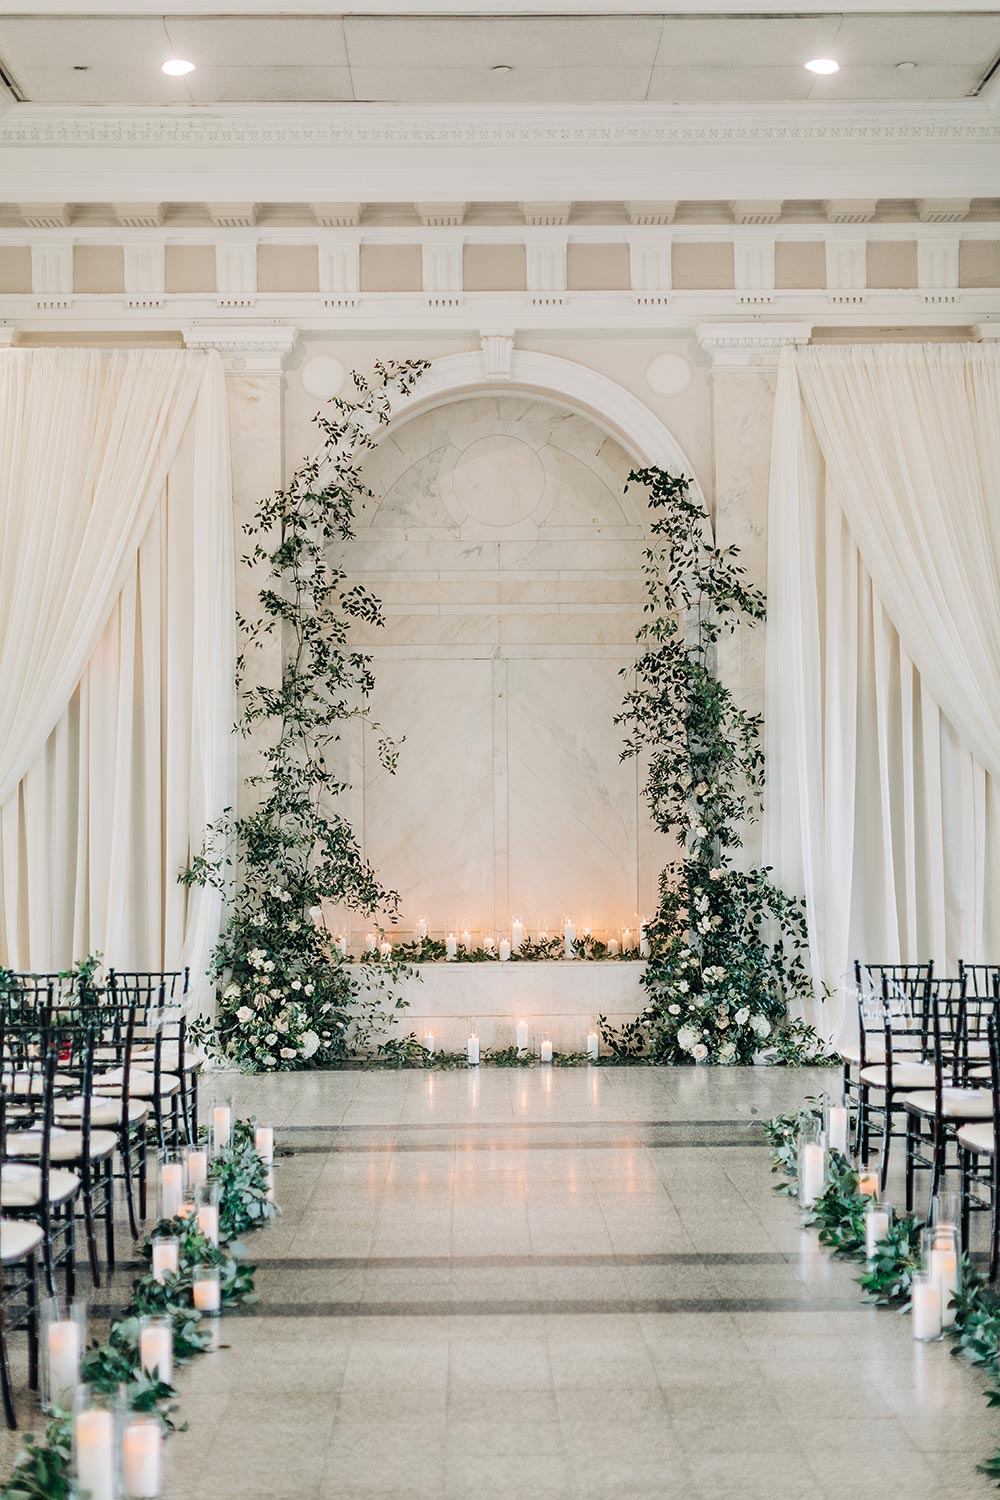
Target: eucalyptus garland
(285, 1000)
(726, 944)
(887, 1278)
(43, 1468)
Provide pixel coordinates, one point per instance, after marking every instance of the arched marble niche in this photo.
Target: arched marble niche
(508, 560)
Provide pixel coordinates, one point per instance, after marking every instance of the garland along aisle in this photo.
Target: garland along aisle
(285, 998)
(43, 1468)
(839, 1215)
(725, 944)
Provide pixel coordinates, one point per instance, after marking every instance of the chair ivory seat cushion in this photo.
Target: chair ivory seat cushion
(905, 1075)
(65, 1145)
(33, 1084)
(18, 1238)
(851, 1051)
(21, 1185)
(170, 1057)
(956, 1104)
(141, 1085)
(977, 1137)
(103, 1110)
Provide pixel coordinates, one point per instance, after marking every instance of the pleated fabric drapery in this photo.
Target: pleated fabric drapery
(883, 652)
(117, 650)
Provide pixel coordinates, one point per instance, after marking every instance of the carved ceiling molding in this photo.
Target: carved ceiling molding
(338, 125)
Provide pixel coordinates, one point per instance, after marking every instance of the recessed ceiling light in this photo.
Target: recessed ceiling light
(502, 68)
(823, 65)
(904, 67)
(176, 67)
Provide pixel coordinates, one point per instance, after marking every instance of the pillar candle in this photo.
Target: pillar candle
(467, 939)
(171, 1188)
(370, 942)
(316, 915)
(197, 1168)
(925, 1309)
(421, 928)
(385, 948)
(450, 946)
(837, 1128)
(943, 1270)
(156, 1352)
(95, 1453)
(545, 1052)
(876, 1228)
(64, 1359)
(429, 1042)
(488, 942)
(142, 1449)
(569, 934)
(812, 1174)
(626, 937)
(516, 934)
(612, 947)
(643, 939)
(473, 1048)
(342, 944)
(222, 1125)
(166, 1259)
(521, 1036)
(593, 1045)
(868, 1183)
(208, 1222)
(206, 1296)
(504, 949)
(263, 1143)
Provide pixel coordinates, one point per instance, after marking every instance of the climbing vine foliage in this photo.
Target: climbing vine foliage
(725, 943)
(285, 998)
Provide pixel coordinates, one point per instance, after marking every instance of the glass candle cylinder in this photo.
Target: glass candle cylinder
(97, 1429)
(421, 928)
(166, 1253)
(62, 1340)
(173, 1173)
(946, 1209)
(156, 1347)
(593, 1045)
(220, 1125)
(206, 1201)
(341, 944)
(472, 1048)
(613, 947)
(837, 1121)
(516, 934)
(503, 949)
(206, 1291)
(196, 1161)
(263, 1143)
(925, 1307)
(867, 1181)
(569, 937)
(521, 1036)
(142, 1458)
(545, 1050)
(812, 1162)
(451, 946)
(940, 1261)
(878, 1218)
(429, 1043)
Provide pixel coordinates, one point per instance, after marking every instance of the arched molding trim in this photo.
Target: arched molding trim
(563, 383)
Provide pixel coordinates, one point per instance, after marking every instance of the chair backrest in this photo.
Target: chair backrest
(948, 1034)
(981, 980)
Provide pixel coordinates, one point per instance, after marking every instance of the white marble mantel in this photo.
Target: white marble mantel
(561, 1000)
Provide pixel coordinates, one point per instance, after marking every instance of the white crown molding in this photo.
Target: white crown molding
(246, 350)
(754, 347)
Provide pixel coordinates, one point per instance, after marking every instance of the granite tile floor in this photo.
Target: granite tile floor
(565, 1284)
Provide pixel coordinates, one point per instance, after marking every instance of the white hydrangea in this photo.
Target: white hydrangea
(715, 874)
(309, 1043)
(743, 1015)
(727, 1052)
(687, 1038)
(288, 1052)
(761, 1025)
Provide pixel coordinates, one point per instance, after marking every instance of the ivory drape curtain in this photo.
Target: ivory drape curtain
(883, 651)
(116, 652)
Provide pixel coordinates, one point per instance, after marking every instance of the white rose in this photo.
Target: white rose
(271, 1038)
(269, 966)
(715, 874)
(727, 1052)
(699, 1052)
(683, 987)
(687, 1038)
(743, 1015)
(296, 984)
(309, 989)
(309, 1044)
(288, 1052)
(722, 1020)
(244, 1014)
(674, 1010)
(761, 1026)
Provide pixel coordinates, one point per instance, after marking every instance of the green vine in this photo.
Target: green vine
(285, 1000)
(726, 944)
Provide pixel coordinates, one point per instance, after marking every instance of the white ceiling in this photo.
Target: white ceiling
(436, 59)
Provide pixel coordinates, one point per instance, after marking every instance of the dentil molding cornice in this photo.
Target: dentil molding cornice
(360, 125)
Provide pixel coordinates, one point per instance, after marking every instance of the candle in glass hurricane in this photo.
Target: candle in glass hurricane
(429, 1043)
(593, 1045)
(385, 948)
(516, 934)
(867, 1183)
(61, 1350)
(342, 944)
(545, 1052)
(371, 942)
(222, 1126)
(450, 946)
(521, 1036)
(569, 937)
(421, 928)
(612, 947)
(263, 1143)
(877, 1221)
(94, 1433)
(166, 1256)
(142, 1454)
(206, 1293)
(197, 1168)
(172, 1175)
(473, 1049)
(643, 939)
(925, 1307)
(156, 1348)
(504, 950)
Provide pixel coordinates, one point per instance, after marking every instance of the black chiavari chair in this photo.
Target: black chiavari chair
(906, 1064)
(161, 1046)
(979, 1156)
(20, 1241)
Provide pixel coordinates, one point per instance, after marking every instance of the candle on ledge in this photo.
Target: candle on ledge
(142, 1458)
(450, 946)
(63, 1348)
(521, 1036)
(166, 1257)
(421, 928)
(156, 1348)
(504, 949)
(206, 1294)
(876, 1227)
(569, 935)
(612, 947)
(545, 1051)
(925, 1308)
(593, 1045)
(171, 1189)
(473, 1049)
(385, 948)
(489, 943)
(429, 1043)
(812, 1172)
(371, 942)
(263, 1143)
(516, 934)
(626, 938)
(222, 1126)
(466, 940)
(342, 944)
(94, 1430)
(197, 1168)
(643, 939)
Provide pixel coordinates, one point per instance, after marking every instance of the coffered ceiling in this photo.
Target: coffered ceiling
(53, 58)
